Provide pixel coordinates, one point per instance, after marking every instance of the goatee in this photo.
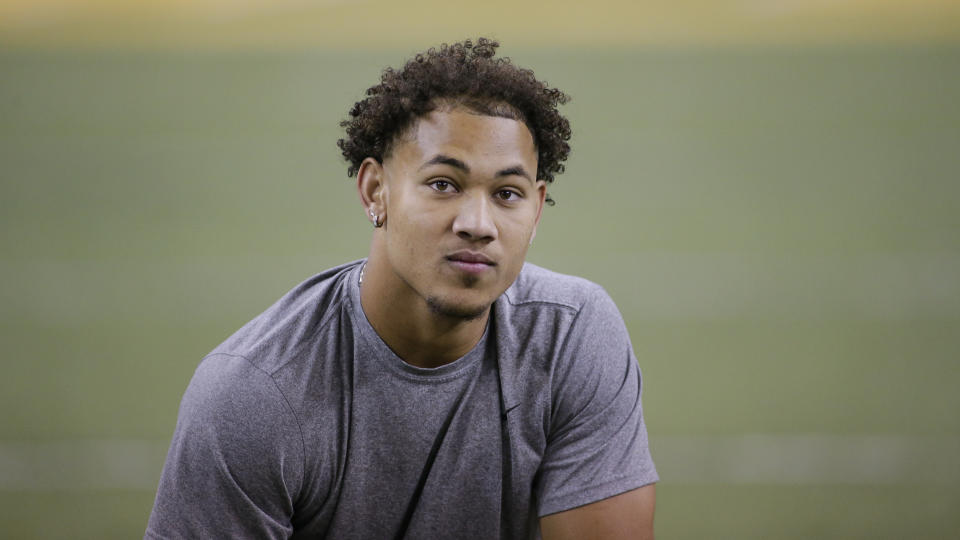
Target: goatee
(455, 311)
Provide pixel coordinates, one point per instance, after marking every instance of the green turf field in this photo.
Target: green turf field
(780, 227)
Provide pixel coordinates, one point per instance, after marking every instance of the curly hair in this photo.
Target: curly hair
(463, 74)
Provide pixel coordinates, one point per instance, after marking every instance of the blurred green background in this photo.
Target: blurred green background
(770, 192)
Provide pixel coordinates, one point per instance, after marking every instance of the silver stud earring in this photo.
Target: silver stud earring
(376, 219)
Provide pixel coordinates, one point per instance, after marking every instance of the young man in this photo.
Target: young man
(441, 388)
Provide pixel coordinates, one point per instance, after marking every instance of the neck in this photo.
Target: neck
(412, 330)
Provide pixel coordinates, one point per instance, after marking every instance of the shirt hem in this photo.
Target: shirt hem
(594, 494)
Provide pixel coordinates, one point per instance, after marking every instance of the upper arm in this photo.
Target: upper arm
(235, 463)
(621, 517)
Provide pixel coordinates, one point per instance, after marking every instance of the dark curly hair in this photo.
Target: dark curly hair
(463, 74)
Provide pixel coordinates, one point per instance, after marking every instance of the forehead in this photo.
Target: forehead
(468, 136)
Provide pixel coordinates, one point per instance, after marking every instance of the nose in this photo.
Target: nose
(474, 220)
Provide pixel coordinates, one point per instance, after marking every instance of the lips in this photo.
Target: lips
(471, 263)
(470, 257)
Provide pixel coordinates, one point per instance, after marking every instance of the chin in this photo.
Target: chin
(456, 310)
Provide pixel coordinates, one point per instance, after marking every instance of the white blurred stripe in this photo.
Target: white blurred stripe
(720, 286)
(81, 465)
(764, 459)
(808, 459)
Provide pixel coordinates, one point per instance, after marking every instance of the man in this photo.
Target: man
(441, 388)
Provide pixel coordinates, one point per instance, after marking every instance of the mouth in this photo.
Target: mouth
(472, 262)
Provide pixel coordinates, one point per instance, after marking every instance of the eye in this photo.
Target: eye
(443, 186)
(508, 195)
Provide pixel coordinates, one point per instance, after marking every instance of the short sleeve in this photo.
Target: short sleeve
(597, 444)
(235, 463)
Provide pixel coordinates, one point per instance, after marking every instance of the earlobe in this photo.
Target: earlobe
(376, 219)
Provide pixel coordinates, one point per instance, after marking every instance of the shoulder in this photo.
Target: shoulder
(538, 292)
(234, 413)
(238, 443)
(571, 324)
(279, 334)
(228, 391)
(548, 324)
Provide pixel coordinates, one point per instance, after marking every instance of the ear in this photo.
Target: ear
(370, 187)
(541, 198)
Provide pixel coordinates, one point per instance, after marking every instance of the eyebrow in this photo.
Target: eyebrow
(516, 170)
(441, 159)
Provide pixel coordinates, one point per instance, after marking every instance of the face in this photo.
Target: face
(461, 205)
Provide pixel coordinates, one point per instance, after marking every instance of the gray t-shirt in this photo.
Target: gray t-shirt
(304, 424)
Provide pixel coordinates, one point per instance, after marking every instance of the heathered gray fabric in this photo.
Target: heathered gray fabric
(304, 424)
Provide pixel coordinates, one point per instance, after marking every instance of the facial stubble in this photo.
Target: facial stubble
(457, 311)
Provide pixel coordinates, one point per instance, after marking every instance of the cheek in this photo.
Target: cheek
(518, 231)
(413, 235)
